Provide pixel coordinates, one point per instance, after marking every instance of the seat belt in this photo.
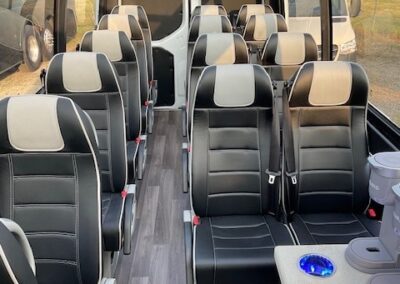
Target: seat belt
(288, 142)
(274, 169)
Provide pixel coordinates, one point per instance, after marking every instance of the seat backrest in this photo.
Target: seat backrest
(94, 87)
(214, 49)
(209, 10)
(129, 25)
(122, 54)
(285, 53)
(50, 185)
(141, 16)
(203, 25)
(231, 138)
(259, 28)
(328, 104)
(248, 10)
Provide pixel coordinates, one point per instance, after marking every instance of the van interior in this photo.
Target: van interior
(199, 142)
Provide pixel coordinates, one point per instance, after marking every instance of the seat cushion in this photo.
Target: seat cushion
(333, 228)
(238, 249)
(112, 206)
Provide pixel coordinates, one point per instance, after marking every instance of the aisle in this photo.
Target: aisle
(158, 251)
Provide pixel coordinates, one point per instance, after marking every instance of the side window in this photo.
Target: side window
(26, 44)
(305, 17)
(80, 18)
(372, 38)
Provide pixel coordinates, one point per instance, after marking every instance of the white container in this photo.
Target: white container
(385, 173)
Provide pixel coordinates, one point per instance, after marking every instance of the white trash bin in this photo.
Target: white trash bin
(385, 173)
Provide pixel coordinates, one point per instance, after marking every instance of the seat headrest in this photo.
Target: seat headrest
(327, 84)
(234, 86)
(134, 10)
(116, 45)
(125, 23)
(260, 27)
(40, 123)
(209, 10)
(218, 49)
(80, 72)
(208, 24)
(248, 10)
(290, 48)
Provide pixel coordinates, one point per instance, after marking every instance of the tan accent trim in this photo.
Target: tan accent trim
(132, 10)
(209, 10)
(80, 72)
(254, 9)
(107, 42)
(331, 84)
(265, 25)
(210, 24)
(32, 124)
(234, 85)
(220, 49)
(291, 49)
(119, 23)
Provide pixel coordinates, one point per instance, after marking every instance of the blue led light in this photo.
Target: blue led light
(317, 265)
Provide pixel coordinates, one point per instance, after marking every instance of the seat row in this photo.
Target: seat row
(245, 201)
(71, 158)
(276, 153)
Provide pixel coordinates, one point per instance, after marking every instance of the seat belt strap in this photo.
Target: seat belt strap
(274, 169)
(288, 142)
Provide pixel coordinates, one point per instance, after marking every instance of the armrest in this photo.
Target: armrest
(154, 89)
(129, 218)
(184, 120)
(16, 258)
(112, 217)
(108, 281)
(188, 238)
(185, 167)
(142, 153)
(132, 148)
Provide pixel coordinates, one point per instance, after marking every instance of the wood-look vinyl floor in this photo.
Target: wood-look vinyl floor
(158, 248)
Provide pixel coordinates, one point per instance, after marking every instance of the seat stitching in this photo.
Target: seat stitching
(331, 223)
(344, 234)
(305, 225)
(213, 244)
(362, 224)
(243, 238)
(237, 248)
(11, 186)
(238, 227)
(77, 232)
(266, 223)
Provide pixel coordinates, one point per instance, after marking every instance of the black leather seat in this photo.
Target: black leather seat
(213, 49)
(122, 54)
(248, 10)
(208, 10)
(258, 30)
(284, 53)
(328, 104)
(94, 87)
(203, 25)
(231, 152)
(50, 186)
(129, 25)
(141, 16)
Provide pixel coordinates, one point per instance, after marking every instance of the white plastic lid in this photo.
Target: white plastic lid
(386, 163)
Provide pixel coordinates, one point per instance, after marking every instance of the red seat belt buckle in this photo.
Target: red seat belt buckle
(196, 220)
(371, 213)
(146, 103)
(124, 193)
(138, 140)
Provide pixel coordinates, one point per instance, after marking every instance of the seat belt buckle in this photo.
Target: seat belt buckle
(272, 176)
(293, 177)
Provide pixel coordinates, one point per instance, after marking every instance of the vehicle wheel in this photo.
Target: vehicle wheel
(31, 48)
(48, 40)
